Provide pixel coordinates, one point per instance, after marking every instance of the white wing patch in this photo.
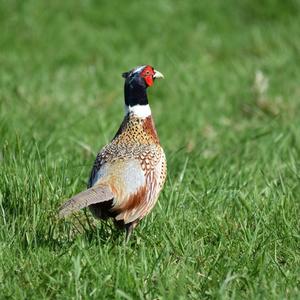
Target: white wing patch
(124, 177)
(153, 189)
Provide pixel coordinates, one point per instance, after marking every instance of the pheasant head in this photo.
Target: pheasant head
(135, 89)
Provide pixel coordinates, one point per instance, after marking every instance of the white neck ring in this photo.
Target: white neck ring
(141, 111)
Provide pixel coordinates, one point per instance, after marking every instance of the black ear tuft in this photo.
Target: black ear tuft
(125, 74)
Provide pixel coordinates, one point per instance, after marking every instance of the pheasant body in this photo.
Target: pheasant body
(130, 171)
(135, 164)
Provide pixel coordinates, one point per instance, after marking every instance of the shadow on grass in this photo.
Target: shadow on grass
(61, 235)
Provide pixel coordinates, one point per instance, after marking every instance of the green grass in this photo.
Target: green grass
(227, 223)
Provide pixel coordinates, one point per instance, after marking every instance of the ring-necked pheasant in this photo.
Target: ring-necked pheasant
(130, 171)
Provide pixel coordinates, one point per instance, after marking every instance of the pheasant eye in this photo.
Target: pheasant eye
(147, 73)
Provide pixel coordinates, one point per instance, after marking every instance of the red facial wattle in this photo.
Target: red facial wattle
(148, 74)
(149, 80)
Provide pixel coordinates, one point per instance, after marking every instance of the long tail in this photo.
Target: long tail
(95, 194)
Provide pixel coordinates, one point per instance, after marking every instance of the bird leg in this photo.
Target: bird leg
(129, 228)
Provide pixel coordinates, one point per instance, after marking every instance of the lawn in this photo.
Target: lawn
(227, 222)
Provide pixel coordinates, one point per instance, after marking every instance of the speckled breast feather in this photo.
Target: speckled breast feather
(134, 166)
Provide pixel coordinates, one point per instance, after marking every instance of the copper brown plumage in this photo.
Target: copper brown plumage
(130, 171)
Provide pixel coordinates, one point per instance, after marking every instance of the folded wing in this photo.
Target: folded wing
(133, 189)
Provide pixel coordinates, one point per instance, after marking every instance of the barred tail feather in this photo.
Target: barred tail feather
(95, 194)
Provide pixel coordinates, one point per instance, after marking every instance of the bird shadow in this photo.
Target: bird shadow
(64, 234)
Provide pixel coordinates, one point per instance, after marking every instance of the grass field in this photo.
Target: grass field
(227, 223)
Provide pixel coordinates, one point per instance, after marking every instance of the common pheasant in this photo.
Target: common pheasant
(130, 171)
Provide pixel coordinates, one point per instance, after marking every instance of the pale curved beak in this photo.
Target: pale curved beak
(158, 75)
